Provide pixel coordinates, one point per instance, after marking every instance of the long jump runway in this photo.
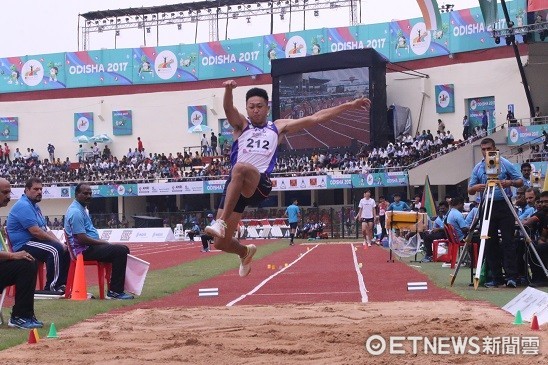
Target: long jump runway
(311, 273)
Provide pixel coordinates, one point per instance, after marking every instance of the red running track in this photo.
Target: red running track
(314, 273)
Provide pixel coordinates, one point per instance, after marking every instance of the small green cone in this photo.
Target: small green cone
(53, 331)
(518, 319)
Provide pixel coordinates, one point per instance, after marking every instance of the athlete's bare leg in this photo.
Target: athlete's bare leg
(244, 179)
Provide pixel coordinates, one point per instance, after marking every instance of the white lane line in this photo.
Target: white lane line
(363, 290)
(240, 298)
(315, 293)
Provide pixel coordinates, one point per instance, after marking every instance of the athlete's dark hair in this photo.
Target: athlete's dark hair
(256, 92)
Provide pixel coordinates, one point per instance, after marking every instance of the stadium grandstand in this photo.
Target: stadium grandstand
(464, 70)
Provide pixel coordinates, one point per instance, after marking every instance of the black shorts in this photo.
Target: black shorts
(293, 225)
(368, 220)
(261, 193)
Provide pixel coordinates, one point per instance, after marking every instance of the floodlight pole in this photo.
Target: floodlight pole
(518, 60)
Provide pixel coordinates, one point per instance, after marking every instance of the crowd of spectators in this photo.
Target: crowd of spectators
(139, 167)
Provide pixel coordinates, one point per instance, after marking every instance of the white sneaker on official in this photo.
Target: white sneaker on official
(245, 265)
(217, 229)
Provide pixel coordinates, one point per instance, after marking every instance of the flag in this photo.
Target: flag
(535, 5)
(430, 13)
(489, 11)
(427, 200)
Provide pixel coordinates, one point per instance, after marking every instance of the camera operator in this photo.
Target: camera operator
(502, 217)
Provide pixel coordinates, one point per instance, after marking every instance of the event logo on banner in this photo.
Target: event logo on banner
(225, 132)
(122, 122)
(521, 135)
(377, 179)
(83, 124)
(409, 39)
(299, 183)
(231, 58)
(339, 182)
(10, 72)
(476, 106)
(197, 119)
(113, 190)
(9, 128)
(445, 98)
(214, 186)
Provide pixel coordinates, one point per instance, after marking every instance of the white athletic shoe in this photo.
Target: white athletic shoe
(217, 229)
(245, 265)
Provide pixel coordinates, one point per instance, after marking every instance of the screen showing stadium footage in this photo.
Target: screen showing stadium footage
(304, 94)
(302, 86)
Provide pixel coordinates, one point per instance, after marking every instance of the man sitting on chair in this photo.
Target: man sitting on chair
(19, 269)
(84, 239)
(27, 231)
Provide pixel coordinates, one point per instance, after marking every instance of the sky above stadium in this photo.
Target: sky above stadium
(32, 27)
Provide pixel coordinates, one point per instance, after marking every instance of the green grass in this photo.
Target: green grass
(441, 277)
(159, 283)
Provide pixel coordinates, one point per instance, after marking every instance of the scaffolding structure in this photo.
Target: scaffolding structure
(212, 12)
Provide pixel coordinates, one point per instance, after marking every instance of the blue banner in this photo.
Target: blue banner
(122, 123)
(476, 107)
(521, 135)
(404, 40)
(83, 124)
(197, 119)
(9, 129)
(379, 179)
(445, 98)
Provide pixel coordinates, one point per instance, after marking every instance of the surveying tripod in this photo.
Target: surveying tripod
(487, 208)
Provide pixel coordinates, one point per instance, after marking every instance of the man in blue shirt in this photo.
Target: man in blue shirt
(436, 233)
(501, 219)
(456, 219)
(397, 205)
(84, 239)
(292, 213)
(27, 231)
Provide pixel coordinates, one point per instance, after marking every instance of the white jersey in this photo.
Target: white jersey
(367, 206)
(256, 146)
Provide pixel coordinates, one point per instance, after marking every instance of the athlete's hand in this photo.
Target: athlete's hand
(361, 103)
(230, 84)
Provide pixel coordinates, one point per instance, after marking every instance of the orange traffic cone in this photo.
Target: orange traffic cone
(534, 323)
(79, 289)
(32, 337)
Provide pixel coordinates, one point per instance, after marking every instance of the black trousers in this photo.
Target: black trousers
(205, 241)
(504, 250)
(117, 256)
(429, 238)
(382, 222)
(22, 273)
(56, 258)
(536, 271)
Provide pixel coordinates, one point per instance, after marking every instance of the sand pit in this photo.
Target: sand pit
(329, 333)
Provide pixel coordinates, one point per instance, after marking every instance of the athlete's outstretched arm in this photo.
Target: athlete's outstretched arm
(294, 125)
(234, 117)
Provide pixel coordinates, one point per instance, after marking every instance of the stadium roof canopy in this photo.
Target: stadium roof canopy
(193, 7)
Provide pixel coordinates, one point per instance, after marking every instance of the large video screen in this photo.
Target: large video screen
(303, 94)
(304, 85)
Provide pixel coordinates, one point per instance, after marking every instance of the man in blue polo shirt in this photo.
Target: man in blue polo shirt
(84, 238)
(292, 213)
(27, 231)
(397, 205)
(456, 219)
(501, 218)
